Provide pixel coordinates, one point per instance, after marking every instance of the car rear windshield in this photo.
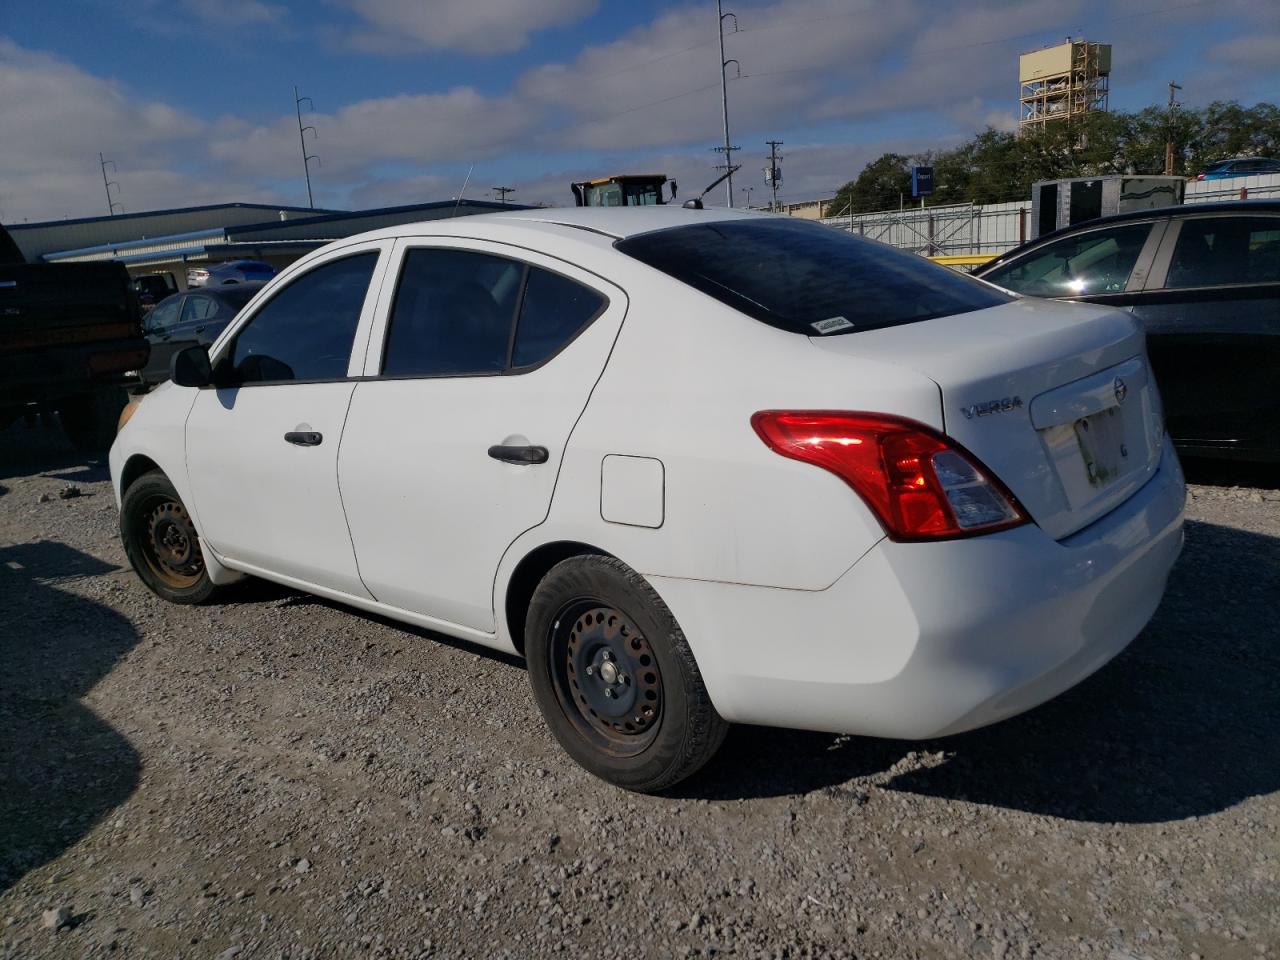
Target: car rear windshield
(808, 278)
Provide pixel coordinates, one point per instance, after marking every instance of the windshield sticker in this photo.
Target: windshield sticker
(831, 325)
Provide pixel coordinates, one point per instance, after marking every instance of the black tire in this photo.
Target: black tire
(89, 420)
(161, 542)
(643, 722)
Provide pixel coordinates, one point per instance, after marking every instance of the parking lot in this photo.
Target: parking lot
(280, 777)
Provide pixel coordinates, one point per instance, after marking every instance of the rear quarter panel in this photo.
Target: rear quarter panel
(684, 378)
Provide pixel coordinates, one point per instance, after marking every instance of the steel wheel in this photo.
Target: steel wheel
(606, 677)
(170, 544)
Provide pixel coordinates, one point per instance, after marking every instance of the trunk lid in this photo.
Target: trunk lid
(1056, 399)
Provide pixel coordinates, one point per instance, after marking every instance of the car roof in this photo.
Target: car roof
(616, 223)
(1240, 207)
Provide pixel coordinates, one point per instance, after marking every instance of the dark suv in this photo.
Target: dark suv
(1204, 279)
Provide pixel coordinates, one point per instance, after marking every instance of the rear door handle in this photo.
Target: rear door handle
(520, 455)
(304, 438)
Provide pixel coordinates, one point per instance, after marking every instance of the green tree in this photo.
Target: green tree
(878, 187)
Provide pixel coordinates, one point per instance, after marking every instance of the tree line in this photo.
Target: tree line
(995, 166)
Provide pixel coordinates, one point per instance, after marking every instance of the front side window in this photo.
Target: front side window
(807, 278)
(165, 314)
(1080, 265)
(464, 313)
(1216, 251)
(305, 332)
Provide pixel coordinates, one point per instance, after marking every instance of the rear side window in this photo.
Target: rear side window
(554, 310)
(305, 332)
(464, 313)
(1079, 265)
(1215, 251)
(807, 278)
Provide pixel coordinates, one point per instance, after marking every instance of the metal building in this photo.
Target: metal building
(1065, 81)
(146, 243)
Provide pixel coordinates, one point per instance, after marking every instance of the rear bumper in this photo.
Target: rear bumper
(926, 640)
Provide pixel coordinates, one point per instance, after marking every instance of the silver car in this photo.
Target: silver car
(232, 271)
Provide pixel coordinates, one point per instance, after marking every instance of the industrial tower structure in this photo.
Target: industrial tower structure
(1065, 81)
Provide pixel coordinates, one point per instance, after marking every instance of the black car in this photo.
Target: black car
(1204, 279)
(185, 319)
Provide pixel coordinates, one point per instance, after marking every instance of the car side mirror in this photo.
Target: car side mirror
(191, 368)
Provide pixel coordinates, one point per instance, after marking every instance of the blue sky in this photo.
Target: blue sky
(193, 98)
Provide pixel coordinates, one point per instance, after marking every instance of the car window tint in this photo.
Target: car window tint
(305, 331)
(1079, 265)
(198, 308)
(165, 314)
(1212, 251)
(554, 309)
(808, 278)
(452, 315)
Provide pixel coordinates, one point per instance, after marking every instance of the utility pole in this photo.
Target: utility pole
(724, 99)
(774, 157)
(108, 184)
(747, 191)
(502, 192)
(1168, 143)
(302, 139)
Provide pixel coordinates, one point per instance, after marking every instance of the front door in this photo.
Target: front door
(454, 440)
(262, 448)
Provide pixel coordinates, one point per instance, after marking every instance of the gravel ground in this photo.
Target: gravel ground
(279, 777)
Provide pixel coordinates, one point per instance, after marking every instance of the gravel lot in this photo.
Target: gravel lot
(279, 777)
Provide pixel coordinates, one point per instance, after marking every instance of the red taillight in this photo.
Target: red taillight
(920, 485)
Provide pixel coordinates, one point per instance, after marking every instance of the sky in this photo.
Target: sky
(193, 100)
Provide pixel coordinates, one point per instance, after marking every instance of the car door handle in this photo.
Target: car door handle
(304, 438)
(200, 329)
(520, 455)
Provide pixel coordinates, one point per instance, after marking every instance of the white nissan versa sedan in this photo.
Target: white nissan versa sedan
(697, 467)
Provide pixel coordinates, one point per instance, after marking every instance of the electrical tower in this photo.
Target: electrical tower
(302, 139)
(724, 100)
(773, 175)
(502, 193)
(108, 184)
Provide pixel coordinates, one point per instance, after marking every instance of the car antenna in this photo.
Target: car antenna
(463, 190)
(695, 203)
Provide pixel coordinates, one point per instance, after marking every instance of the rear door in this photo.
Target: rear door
(474, 381)
(262, 448)
(1212, 313)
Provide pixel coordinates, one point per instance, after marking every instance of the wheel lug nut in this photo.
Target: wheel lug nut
(608, 655)
(608, 692)
(591, 671)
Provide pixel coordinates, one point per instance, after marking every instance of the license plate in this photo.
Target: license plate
(1101, 440)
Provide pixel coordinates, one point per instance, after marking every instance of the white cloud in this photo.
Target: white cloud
(470, 26)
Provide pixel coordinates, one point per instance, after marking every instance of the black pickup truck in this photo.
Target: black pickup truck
(71, 341)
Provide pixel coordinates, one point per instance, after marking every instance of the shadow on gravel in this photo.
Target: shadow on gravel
(1186, 722)
(61, 767)
(41, 448)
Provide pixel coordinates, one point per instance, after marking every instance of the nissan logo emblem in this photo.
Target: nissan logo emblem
(1122, 391)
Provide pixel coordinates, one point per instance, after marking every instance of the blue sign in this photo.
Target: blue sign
(921, 181)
